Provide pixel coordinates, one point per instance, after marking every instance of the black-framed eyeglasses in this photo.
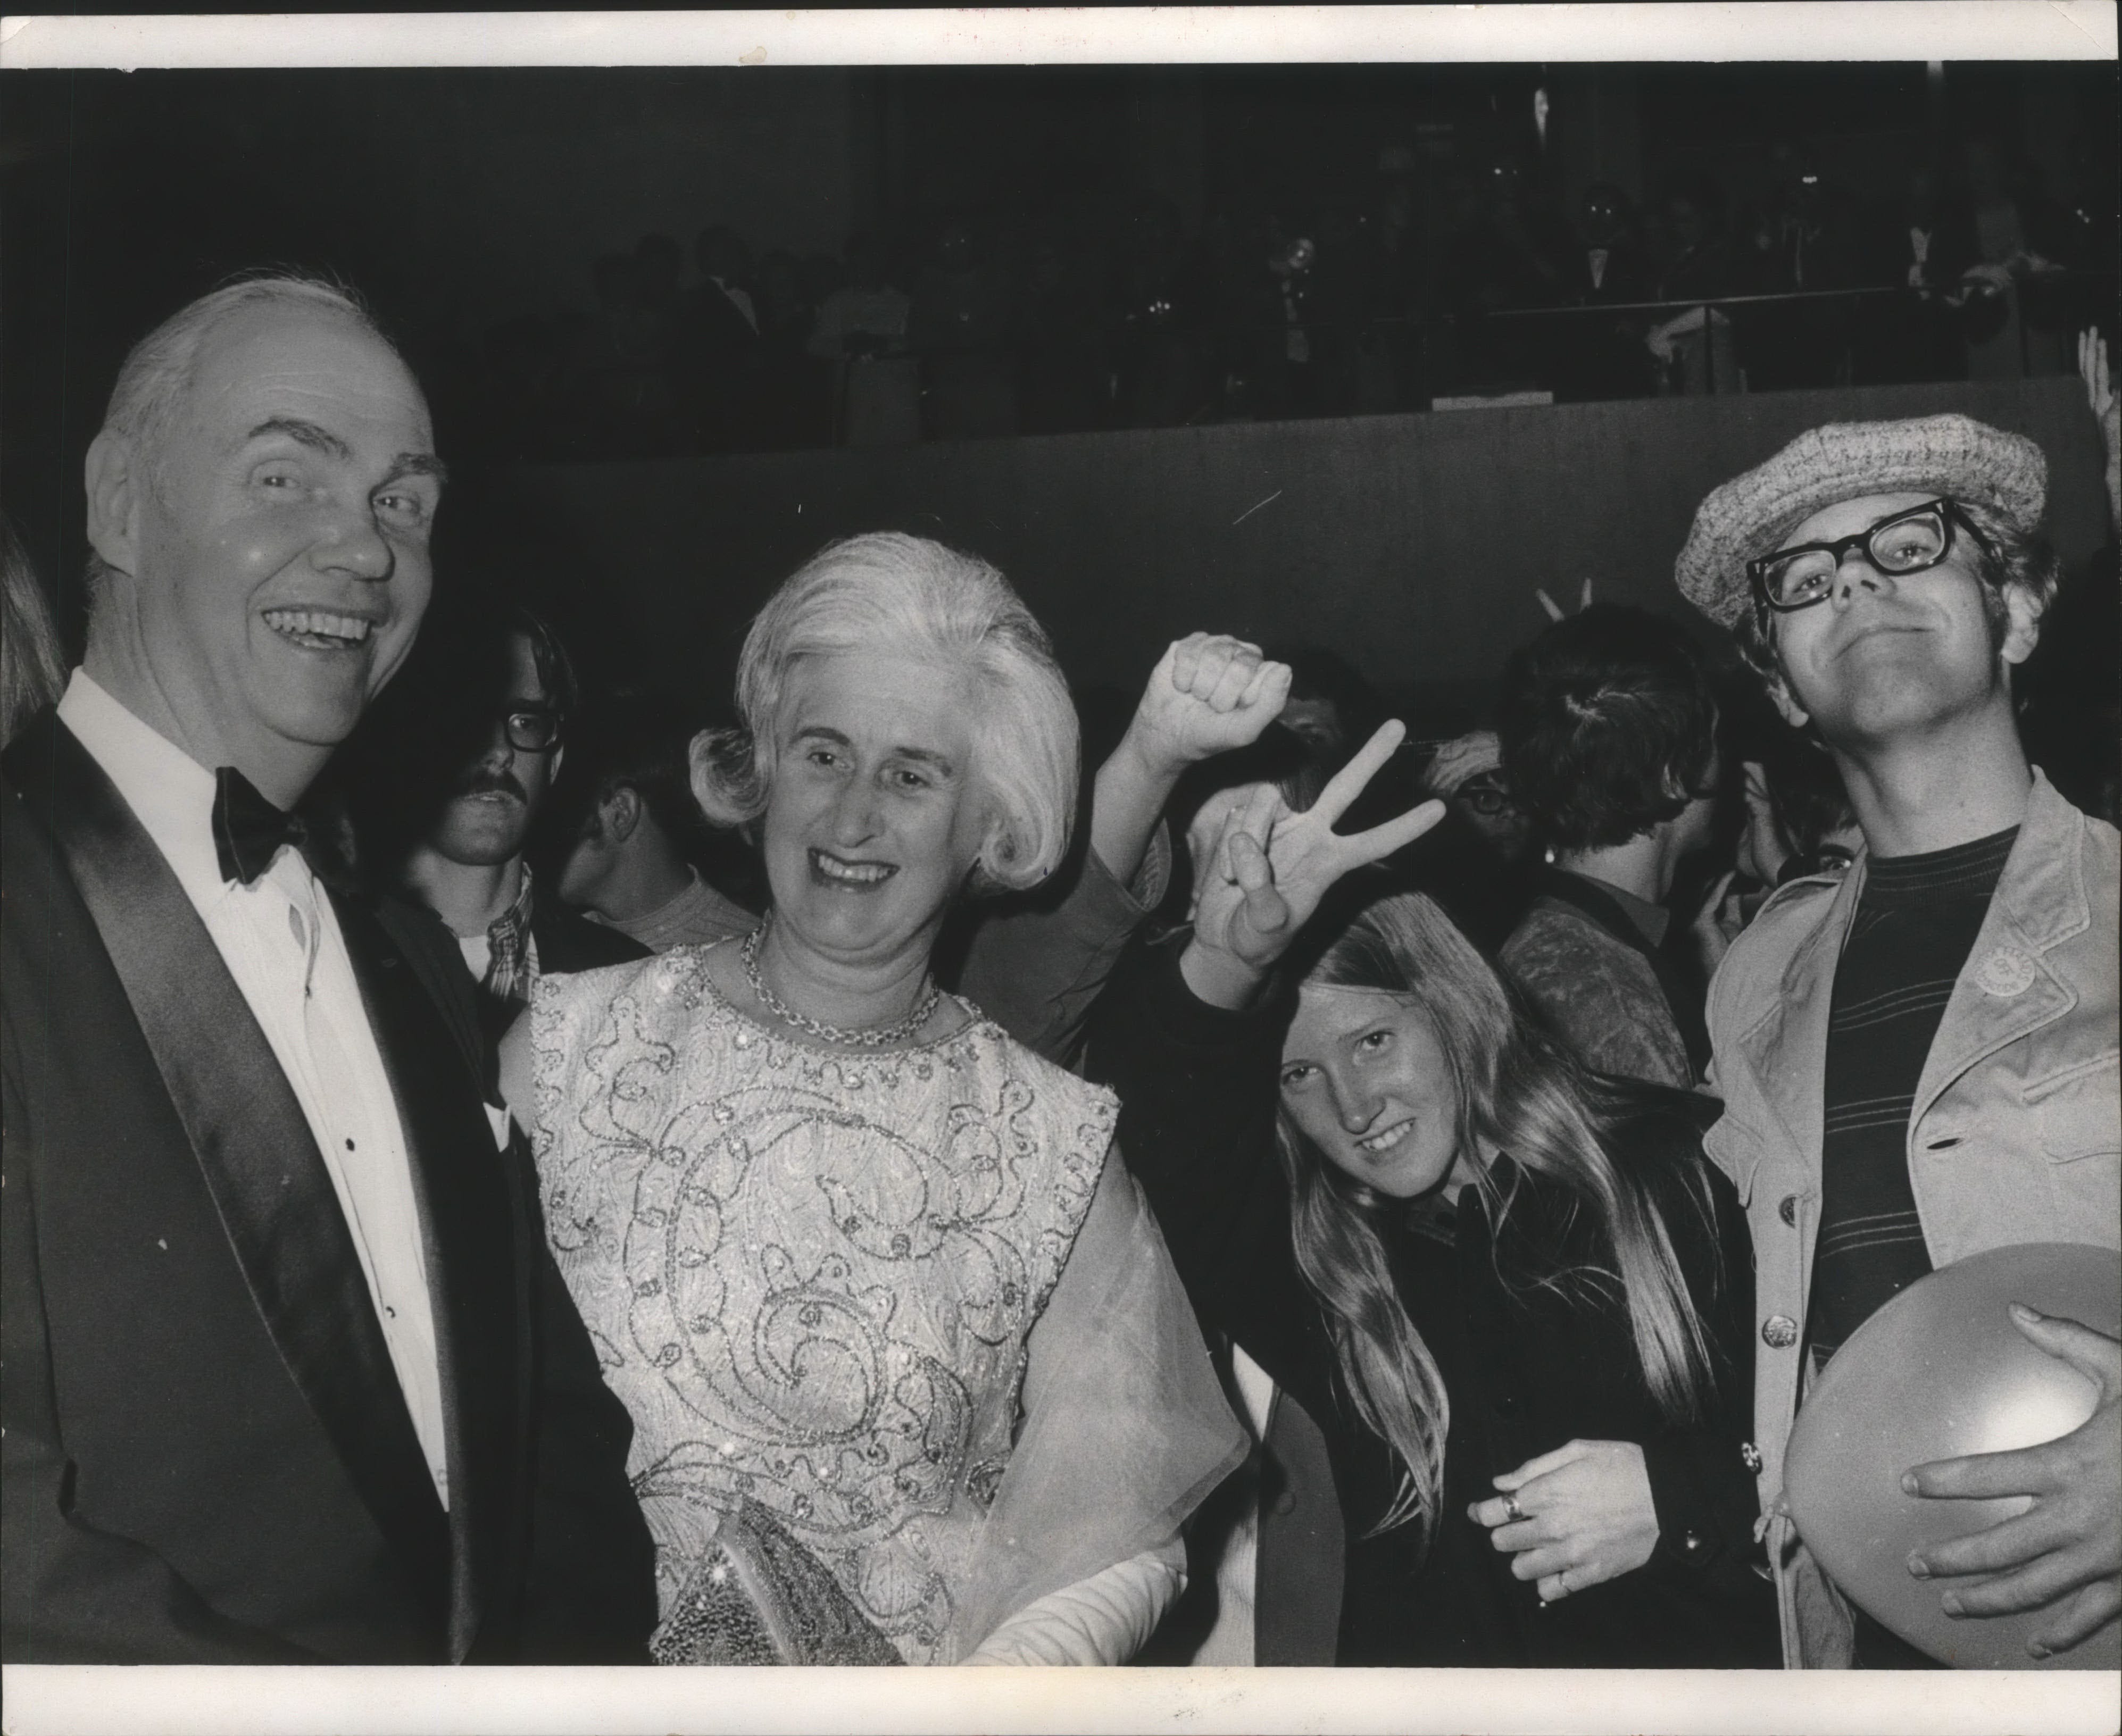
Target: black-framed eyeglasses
(1484, 796)
(1911, 541)
(532, 729)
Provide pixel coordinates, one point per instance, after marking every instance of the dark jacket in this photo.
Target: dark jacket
(1527, 1370)
(568, 940)
(208, 1456)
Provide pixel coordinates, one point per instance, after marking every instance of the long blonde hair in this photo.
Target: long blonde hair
(1519, 1094)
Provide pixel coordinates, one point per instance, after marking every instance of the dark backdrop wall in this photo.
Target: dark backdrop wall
(1412, 544)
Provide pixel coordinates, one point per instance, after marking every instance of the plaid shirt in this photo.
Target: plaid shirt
(512, 964)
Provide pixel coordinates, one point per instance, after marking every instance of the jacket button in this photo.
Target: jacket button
(1285, 1503)
(1691, 1541)
(1779, 1331)
(1786, 1209)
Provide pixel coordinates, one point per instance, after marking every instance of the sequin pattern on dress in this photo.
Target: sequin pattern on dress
(810, 1274)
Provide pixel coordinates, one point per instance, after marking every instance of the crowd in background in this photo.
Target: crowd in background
(922, 1167)
(1099, 309)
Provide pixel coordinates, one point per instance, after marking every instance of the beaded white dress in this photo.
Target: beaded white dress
(814, 1277)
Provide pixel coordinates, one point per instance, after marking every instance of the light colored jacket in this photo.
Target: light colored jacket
(2014, 1135)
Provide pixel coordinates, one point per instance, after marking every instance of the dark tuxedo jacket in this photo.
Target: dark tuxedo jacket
(207, 1455)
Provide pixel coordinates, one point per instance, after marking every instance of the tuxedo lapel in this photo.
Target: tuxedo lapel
(479, 1261)
(251, 1139)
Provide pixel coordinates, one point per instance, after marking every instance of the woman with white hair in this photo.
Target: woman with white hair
(911, 1376)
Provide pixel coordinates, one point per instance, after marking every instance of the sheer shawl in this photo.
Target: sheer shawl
(1125, 1428)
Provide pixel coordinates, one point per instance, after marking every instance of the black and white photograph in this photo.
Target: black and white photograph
(1264, 857)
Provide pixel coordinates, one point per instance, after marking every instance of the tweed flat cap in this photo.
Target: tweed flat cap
(1749, 515)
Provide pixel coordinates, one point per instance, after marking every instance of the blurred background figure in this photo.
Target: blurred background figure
(861, 330)
(2019, 243)
(1154, 309)
(1466, 774)
(1910, 245)
(722, 353)
(1795, 242)
(1608, 723)
(634, 836)
(1605, 358)
(627, 388)
(33, 662)
(1695, 351)
(2069, 691)
(960, 327)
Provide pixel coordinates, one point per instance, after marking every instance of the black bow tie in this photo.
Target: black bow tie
(248, 830)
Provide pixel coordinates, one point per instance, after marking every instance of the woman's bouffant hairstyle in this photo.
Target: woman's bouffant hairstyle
(1608, 726)
(2005, 556)
(933, 605)
(1518, 1093)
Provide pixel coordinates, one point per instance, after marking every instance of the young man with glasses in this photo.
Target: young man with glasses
(467, 863)
(1917, 1058)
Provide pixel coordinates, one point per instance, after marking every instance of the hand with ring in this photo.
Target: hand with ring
(1573, 1518)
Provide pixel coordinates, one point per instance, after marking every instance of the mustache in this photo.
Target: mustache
(487, 781)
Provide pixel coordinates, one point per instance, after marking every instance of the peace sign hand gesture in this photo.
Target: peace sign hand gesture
(1261, 870)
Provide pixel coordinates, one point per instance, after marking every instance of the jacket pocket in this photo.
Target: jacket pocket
(2078, 1112)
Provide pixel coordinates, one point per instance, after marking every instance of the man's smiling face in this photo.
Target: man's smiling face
(278, 552)
(1885, 654)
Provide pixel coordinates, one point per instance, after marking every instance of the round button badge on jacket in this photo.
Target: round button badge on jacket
(2005, 973)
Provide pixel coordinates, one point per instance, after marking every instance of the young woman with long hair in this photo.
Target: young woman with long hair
(1512, 1295)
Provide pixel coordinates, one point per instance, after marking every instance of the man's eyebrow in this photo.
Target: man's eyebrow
(322, 440)
(417, 464)
(303, 433)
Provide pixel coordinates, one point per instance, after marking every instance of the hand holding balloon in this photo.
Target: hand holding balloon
(2067, 1546)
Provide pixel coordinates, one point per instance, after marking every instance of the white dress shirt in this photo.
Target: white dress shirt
(282, 945)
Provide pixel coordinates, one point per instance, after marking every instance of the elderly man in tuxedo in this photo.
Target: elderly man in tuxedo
(289, 1374)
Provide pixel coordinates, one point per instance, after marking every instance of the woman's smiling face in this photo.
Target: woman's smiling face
(873, 822)
(1367, 1082)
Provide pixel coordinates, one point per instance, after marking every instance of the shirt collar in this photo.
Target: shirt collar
(170, 793)
(1648, 920)
(515, 920)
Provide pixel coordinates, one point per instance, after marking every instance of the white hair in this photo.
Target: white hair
(157, 371)
(932, 604)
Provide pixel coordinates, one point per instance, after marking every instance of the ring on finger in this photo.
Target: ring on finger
(1512, 1511)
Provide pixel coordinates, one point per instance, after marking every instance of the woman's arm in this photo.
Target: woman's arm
(1037, 967)
(1209, 694)
(1681, 1500)
(1197, 1089)
(1104, 1619)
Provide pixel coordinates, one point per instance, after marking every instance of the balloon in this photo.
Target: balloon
(1940, 1372)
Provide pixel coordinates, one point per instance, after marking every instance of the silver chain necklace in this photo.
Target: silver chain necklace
(873, 1037)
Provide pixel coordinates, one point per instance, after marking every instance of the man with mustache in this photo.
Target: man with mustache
(290, 1375)
(1917, 1057)
(499, 681)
